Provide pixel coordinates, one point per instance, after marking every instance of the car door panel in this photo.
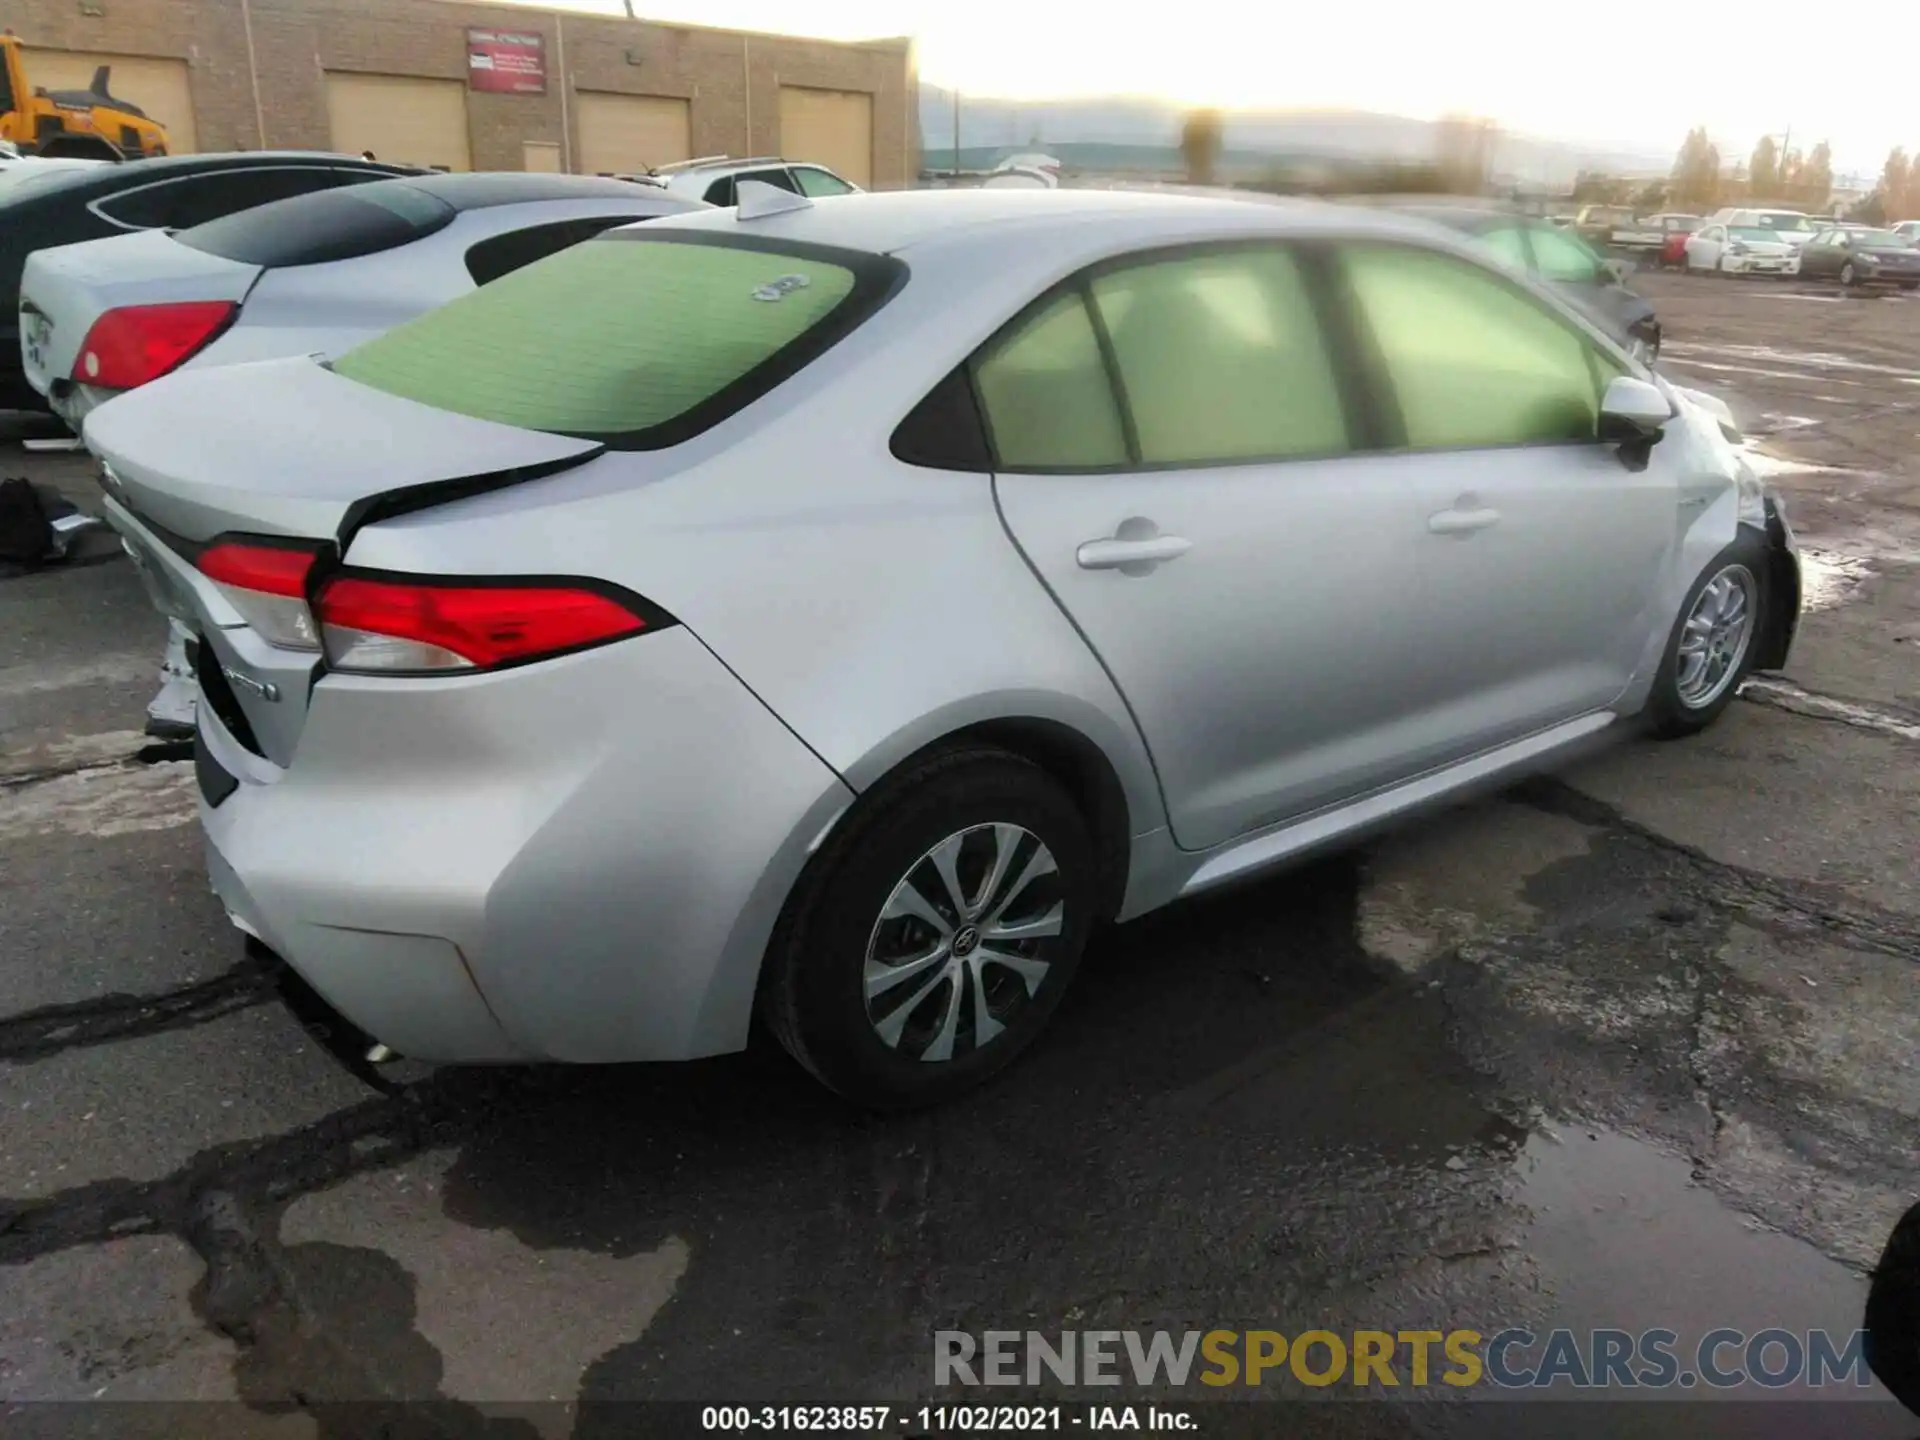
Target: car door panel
(1541, 550)
(1233, 568)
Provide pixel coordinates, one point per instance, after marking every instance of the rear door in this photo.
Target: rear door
(1174, 454)
(1543, 552)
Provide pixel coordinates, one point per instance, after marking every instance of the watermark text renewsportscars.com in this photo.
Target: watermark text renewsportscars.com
(1403, 1359)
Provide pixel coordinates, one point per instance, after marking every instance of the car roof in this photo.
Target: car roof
(892, 221)
(487, 189)
(125, 176)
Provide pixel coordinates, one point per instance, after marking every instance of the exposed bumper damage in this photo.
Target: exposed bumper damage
(1782, 590)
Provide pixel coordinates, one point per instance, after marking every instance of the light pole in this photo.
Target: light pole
(956, 132)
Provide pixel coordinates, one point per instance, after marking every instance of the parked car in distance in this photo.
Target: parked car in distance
(1721, 249)
(1647, 236)
(515, 748)
(1555, 257)
(1599, 225)
(312, 274)
(88, 202)
(1908, 230)
(1792, 227)
(716, 178)
(1861, 255)
(1674, 230)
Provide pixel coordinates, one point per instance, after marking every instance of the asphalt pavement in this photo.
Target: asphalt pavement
(1632, 1045)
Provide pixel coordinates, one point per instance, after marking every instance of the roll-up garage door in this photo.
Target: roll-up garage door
(158, 87)
(628, 134)
(833, 128)
(401, 118)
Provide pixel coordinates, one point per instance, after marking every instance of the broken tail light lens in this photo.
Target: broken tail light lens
(126, 348)
(266, 581)
(387, 624)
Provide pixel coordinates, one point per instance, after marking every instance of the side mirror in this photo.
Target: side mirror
(1633, 410)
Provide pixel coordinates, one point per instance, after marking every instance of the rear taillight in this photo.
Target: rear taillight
(388, 624)
(266, 581)
(126, 348)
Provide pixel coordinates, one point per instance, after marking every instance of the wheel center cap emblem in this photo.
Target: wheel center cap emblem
(966, 940)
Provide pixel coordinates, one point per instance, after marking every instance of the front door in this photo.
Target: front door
(1243, 576)
(1542, 551)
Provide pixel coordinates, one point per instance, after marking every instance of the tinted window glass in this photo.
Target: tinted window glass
(636, 342)
(1510, 245)
(820, 182)
(501, 254)
(1471, 360)
(331, 225)
(1044, 387)
(196, 199)
(1220, 358)
(720, 192)
(780, 179)
(1563, 258)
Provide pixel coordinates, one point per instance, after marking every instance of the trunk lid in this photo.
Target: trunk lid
(282, 448)
(286, 447)
(65, 289)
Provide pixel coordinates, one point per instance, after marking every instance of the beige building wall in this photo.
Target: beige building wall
(262, 73)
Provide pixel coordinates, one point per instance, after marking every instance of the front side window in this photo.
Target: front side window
(1471, 360)
(1045, 392)
(1220, 358)
(634, 341)
(1565, 258)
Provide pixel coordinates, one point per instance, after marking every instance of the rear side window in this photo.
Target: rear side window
(1471, 360)
(1220, 359)
(196, 199)
(630, 340)
(499, 255)
(818, 182)
(1049, 404)
(332, 225)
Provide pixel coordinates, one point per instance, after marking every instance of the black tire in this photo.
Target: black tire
(1671, 717)
(1848, 276)
(812, 996)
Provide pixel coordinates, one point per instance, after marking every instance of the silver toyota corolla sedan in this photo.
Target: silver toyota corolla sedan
(839, 609)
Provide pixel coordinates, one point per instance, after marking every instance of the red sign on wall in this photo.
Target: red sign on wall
(507, 62)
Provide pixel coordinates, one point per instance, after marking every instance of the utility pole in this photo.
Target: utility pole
(956, 132)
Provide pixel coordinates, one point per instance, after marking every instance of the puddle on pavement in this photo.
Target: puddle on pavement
(1625, 1237)
(1828, 580)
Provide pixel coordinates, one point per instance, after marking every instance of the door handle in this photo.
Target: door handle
(1462, 522)
(1115, 554)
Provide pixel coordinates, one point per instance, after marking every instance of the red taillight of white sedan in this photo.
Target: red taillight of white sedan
(406, 624)
(128, 347)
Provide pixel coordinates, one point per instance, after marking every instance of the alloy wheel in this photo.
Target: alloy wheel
(964, 942)
(1715, 637)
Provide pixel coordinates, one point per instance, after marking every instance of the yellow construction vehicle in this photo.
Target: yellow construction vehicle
(90, 124)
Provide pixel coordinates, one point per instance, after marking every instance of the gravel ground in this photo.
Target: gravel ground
(1630, 1045)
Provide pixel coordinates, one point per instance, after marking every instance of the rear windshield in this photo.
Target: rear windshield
(1779, 220)
(325, 225)
(636, 341)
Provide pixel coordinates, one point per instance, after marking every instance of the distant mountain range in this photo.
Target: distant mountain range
(1148, 131)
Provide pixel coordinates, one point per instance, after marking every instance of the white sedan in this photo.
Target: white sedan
(1740, 250)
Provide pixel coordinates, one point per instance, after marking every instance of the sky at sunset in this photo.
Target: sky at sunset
(1601, 75)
